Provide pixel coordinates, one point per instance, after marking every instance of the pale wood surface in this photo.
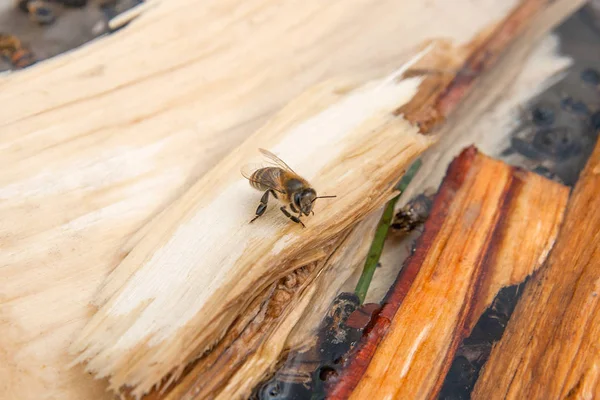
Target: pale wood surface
(201, 264)
(95, 142)
(154, 319)
(255, 355)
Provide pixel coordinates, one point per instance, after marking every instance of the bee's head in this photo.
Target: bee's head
(304, 200)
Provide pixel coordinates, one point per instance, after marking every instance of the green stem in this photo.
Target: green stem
(381, 233)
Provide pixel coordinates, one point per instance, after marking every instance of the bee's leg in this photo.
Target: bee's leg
(292, 217)
(263, 204)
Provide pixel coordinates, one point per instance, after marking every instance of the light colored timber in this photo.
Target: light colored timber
(297, 302)
(200, 265)
(113, 137)
(149, 327)
(473, 242)
(551, 348)
(96, 141)
(539, 70)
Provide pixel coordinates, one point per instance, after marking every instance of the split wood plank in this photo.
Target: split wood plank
(551, 346)
(83, 172)
(96, 141)
(491, 225)
(138, 344)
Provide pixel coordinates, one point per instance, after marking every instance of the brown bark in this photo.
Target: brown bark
(551, 347)
(452, 78)
(477, 223)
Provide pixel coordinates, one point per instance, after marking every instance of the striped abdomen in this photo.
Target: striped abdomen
(267, 178)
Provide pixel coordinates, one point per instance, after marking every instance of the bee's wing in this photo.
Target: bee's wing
(249, 169)
(278, 161)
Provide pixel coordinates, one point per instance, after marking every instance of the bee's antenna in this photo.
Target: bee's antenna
(322, 197)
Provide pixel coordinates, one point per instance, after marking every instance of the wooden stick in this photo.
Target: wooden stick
(457, 77)
(479, 215)
(550, 348)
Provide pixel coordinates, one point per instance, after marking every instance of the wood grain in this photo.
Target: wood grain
(550, 349)
(450, 78)
(351, 147)
(358, 148)
(248, 356)
(95, 142)
(472, 244)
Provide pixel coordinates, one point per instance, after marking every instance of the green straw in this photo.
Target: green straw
(381, 233)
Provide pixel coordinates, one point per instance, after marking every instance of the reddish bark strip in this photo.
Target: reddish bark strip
(449, 83)
(459, 263)
(359, 361)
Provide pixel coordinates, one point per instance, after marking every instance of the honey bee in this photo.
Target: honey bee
(13, 50)
(281, 182)
(414, 213)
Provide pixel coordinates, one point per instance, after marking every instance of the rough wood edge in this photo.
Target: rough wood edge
(445, 88)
